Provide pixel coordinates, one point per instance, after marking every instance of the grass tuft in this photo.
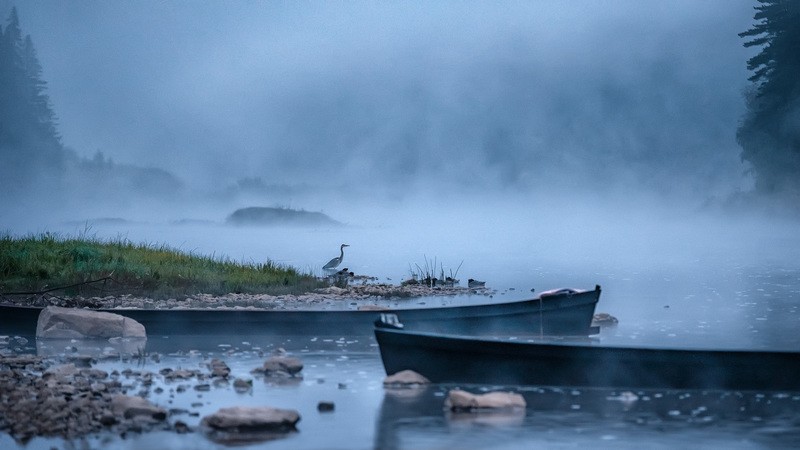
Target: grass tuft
(46, 261)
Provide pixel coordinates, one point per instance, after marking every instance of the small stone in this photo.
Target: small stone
(325, 406)
(240, 384)
(108, 419)
(80, 360)
(219, 368)
(181, 427)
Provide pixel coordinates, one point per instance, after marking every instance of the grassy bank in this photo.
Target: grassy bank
(92, 267)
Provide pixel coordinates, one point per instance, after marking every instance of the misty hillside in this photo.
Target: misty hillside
(34, 162)
(396, 102)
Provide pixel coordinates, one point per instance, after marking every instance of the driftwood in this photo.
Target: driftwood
(45, 291)
(42, 297)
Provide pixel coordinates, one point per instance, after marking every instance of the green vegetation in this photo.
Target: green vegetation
(91, 267)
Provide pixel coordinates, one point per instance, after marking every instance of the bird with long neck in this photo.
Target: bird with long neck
(332, 264)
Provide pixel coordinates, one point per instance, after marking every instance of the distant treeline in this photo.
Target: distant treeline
(32, 156)
(770, 132)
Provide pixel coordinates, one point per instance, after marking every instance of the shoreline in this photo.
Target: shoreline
(376, 295)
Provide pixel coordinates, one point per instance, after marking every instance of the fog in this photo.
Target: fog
(533, 144)
(478, 96)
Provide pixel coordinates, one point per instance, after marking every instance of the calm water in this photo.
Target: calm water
(674, 286)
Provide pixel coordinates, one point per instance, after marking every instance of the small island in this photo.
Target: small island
(274, 216)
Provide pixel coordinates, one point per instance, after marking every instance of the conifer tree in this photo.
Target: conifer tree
(29, 142)
(770, 132)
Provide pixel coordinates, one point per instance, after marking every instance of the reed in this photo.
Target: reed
(428, 276)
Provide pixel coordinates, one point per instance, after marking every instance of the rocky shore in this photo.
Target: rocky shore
(66, 397)
(38, 398)
(327, 298)
(50, 397)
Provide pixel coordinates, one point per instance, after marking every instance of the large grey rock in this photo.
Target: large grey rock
(74, 323)
(458, 400)
(244, 418)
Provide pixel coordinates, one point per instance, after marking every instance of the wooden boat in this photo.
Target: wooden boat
(467, 359)
(563, 312)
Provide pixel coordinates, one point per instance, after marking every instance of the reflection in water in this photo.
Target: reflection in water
(114, 348)
(416, 418)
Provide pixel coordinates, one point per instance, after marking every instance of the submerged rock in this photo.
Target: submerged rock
(604, 320)
(72, 323)
(242, 385)
(405, 378)
(458, 400)
(373, 308)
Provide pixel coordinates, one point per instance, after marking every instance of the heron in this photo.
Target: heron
(332, 264)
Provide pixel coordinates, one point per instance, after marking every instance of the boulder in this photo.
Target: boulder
(73, 323)
(458, 400)
(281, 365)
(405, 378)
(129, 407)
(252, 419)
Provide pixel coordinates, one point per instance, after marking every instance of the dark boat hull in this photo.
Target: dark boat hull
(461, 359)
(552, 315)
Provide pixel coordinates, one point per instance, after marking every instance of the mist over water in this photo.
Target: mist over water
(530, 145)
(674, 277)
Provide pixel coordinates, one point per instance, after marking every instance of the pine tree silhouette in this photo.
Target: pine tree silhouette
(770, 132)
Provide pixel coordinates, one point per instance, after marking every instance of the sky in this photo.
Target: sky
(477, 96)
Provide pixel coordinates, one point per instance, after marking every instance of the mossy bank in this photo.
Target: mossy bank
(93, 267)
